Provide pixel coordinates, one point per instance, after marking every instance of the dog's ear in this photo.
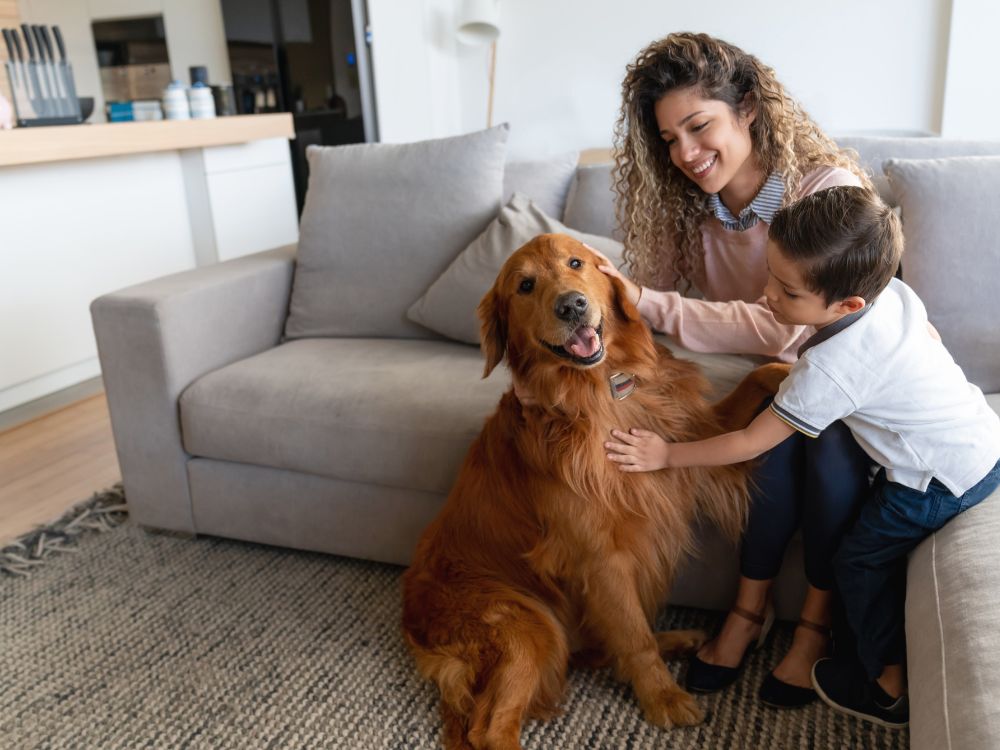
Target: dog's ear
(627, 312)
(493, 329)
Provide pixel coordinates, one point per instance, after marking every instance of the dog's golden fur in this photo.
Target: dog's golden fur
(544, 549)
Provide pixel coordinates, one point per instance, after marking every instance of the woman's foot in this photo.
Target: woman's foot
(737, 633)
(810, 643)
(742, 626)
(783, 687)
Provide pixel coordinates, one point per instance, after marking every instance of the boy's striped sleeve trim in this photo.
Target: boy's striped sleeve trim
(794, 422)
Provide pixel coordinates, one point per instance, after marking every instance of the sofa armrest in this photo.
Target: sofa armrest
(952, 605)
(155, 339)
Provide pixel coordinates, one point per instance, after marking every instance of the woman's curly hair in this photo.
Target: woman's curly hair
(659, 209)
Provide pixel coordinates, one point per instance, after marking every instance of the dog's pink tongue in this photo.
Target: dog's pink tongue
(583, 343)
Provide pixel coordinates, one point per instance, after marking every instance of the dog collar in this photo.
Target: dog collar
(622, 385)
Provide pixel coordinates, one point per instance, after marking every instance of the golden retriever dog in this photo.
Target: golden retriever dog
(544, 548)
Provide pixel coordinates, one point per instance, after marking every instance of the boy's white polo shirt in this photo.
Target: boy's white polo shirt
(899, 391)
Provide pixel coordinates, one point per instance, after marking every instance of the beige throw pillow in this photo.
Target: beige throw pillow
(449, 305)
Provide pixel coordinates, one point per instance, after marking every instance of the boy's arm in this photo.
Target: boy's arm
(641, 450)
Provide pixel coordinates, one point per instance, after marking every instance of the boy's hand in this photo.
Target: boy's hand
(638, 450)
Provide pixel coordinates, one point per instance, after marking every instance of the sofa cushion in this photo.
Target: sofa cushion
(449, 305)
(873, 151)
(546, 182)
(952, 257)
(393, 412)
(590, 206)
(383, 411)
(381, 222)
(952, 600)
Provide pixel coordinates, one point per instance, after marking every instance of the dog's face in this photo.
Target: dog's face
(550, 300)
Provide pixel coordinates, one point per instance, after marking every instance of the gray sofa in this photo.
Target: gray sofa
(348, 443)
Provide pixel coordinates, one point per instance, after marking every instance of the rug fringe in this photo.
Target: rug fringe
(102, 512)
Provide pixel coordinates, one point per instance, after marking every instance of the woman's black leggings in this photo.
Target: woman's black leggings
(816, 483)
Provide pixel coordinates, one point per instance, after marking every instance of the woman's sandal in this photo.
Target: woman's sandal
(703, 677)
(778, 694)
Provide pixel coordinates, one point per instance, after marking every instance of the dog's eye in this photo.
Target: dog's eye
(575, 263)
(526, 286)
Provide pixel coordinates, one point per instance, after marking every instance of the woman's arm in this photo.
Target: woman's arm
(734, 327)
(641, 450)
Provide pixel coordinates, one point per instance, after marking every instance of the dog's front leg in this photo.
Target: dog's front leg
(615, 612)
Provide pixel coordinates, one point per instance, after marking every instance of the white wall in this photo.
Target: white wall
(971, 95)
(415, 69)
(856, 65)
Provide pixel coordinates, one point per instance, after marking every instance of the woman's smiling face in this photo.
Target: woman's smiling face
(708, 142)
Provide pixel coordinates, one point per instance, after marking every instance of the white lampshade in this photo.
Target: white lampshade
(479, 22)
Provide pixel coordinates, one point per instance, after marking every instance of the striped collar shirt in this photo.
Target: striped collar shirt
(763, 207)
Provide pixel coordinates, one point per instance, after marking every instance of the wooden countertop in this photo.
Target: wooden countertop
(69, 142)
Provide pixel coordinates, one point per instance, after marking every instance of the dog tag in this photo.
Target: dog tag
(622, 385)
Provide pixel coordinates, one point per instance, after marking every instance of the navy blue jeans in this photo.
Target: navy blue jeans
(871, 561)
(819, 484)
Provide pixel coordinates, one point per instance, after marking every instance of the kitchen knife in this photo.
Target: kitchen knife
(38, 102)
(65, 105)
(26, 104)
(45, 56)
(67, 70)
(18, 94)
(13, 60)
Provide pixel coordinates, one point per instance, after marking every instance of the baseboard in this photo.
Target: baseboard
(50, 403)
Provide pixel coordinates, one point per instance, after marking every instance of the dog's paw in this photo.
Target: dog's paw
(674, 643)
(674, 708)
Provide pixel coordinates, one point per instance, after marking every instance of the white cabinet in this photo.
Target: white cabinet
(72, 231)
(241, 199)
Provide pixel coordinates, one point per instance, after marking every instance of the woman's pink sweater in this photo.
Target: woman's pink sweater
(733, 317)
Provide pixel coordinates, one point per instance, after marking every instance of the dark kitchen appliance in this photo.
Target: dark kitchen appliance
(42, 86)
(309, 58)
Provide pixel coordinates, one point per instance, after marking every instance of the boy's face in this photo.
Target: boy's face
(792, 302)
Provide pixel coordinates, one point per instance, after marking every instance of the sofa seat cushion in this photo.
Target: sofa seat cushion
(394, 412)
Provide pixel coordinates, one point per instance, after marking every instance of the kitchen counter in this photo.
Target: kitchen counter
(70, 142)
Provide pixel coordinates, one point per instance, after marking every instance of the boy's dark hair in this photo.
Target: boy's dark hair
(846, 240)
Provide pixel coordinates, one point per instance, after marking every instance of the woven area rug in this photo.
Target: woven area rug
(118, 638)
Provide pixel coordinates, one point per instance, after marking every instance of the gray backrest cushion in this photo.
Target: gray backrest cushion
(546, 182)
(590, 206)
(381, 222)
(873, 151)
(952, 257)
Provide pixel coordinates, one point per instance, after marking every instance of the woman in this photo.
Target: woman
(708, 146)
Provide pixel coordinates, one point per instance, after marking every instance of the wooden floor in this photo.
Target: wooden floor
(53, 462)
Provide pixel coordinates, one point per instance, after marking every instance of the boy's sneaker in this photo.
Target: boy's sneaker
(843, 689)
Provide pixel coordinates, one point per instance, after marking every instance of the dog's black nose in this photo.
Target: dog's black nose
(571, 306)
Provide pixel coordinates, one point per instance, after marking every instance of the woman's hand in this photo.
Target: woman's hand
(639, 450)
(633, 290)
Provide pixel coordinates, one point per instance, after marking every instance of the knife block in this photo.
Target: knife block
(30, 110)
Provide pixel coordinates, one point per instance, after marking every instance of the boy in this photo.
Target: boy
(876, 363)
